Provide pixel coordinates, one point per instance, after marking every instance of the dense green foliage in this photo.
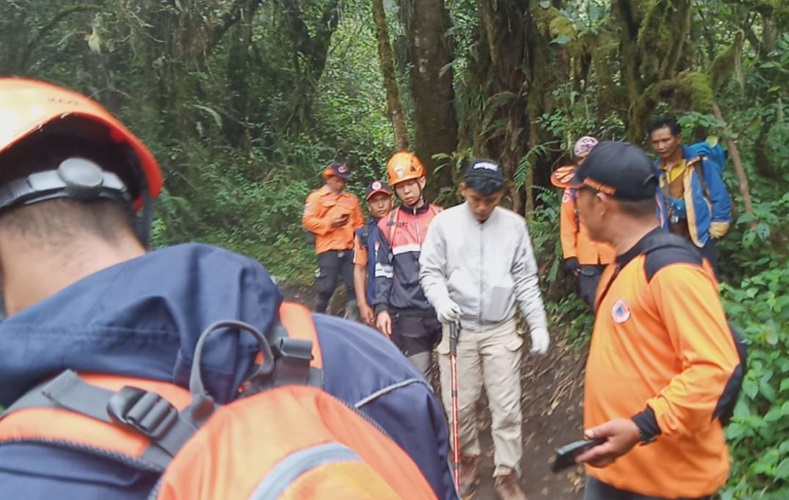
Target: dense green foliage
(244, 102)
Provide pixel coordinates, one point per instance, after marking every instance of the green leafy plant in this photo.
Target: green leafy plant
(759, 433)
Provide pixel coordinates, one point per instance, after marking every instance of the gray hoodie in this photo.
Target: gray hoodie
(485, 268)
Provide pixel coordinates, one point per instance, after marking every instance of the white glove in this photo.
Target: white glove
(540, 340)
(447, 311)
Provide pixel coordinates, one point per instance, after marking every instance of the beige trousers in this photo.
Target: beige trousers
(492, 358)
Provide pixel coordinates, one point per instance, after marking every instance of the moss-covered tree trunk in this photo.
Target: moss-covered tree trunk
(386, 61)
(652, 38)
(435, 123)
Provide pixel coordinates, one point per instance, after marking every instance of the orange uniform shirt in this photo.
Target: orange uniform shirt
(321, 207)
(665, 344)
(359, 252)
(576, 241)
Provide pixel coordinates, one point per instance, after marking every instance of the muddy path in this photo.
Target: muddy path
(552, 398)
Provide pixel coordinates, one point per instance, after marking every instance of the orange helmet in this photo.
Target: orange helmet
(404, 166)
(27, 106)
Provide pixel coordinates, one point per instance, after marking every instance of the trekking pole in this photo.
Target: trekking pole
(454, 330)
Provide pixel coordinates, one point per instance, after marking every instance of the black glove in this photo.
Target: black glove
(571, 265)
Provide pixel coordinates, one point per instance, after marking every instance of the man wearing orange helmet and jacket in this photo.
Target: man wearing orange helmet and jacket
(333, 215)
(402, 310)
(85, 297)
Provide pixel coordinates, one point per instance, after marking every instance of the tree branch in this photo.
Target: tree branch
(27, 52)
(229, 18)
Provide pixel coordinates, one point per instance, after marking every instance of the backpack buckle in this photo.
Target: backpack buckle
(144, 411)
(293, 357)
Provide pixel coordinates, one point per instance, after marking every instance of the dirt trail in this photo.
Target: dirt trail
(552, 398)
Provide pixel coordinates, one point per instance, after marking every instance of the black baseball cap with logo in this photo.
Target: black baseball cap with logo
(337, 169)
(376, 187)
(484, 168)
(618, 169)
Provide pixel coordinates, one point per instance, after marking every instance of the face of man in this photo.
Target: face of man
(410, 191)
(379, 205)
(590, 212)
(481, 206)
(664, 143)
(336, 185)
(579, 160)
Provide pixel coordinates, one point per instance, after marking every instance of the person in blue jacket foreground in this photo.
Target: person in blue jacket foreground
(83, 293)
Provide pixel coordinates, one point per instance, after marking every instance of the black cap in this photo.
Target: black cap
(376, 187)
(618, 169)
(337, 169)
(484, 168)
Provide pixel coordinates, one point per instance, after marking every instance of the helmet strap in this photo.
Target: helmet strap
(145, 219)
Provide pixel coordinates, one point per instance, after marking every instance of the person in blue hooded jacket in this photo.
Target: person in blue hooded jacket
(83, 293)
(696, 204)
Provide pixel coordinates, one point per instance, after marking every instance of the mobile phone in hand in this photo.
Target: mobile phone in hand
(565, 456)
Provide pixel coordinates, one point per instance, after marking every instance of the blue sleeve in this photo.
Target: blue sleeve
(383, 273)
(719, 197)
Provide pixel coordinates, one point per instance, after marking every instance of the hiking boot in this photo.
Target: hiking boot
(508, 487)
(469, 470)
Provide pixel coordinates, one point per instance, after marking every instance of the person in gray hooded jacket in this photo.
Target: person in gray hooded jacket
(476, 264)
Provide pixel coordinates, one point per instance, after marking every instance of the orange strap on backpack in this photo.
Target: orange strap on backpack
(283, 438)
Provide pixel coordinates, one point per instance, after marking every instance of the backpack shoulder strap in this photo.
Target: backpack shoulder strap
(96, 412)
(698, 163)
(297, 352)
(662, 249)
(392, 224)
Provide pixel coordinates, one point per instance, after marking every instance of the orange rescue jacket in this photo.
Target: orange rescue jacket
(321, 207)
(576, 241)
(661, 342)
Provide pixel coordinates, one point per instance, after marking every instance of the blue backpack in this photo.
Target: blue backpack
(711, 150)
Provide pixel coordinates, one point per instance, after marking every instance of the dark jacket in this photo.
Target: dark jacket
(401, 234)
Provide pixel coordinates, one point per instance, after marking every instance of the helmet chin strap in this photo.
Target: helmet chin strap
(145, 219)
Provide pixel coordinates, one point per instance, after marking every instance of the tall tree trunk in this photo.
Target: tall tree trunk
(386, 61)
(736, 159)
(431, 85)
(236, 130)
(506, 124)
(310, 52)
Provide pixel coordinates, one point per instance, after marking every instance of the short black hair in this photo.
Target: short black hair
(640, 209)
(60, 221)
(484, 185)
(666, 121)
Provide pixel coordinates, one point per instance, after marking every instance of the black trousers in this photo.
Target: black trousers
(416, 336)
(710, 252)
(333, 266)
(588, 279)
(598, 490)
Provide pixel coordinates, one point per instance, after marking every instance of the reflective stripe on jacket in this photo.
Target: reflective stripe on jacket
(400, 237)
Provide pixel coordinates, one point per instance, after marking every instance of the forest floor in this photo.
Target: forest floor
(552, 408)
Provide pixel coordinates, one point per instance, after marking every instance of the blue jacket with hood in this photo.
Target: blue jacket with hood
(142, 318)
